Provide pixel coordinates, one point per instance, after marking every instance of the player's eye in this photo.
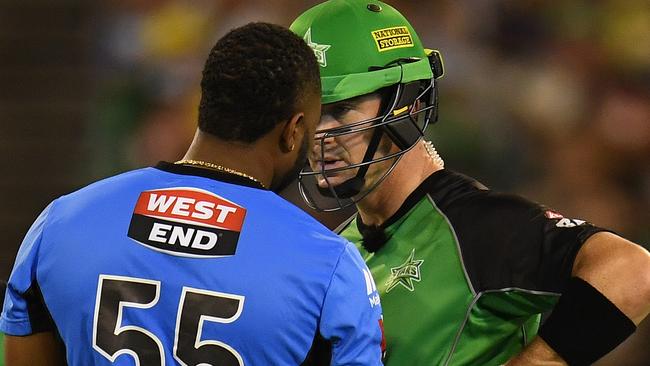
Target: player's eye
(338, 111)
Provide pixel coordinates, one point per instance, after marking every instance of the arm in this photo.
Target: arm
(351, 314)
(620, 270)
(617, 268)
(36, 349)
(29, 337)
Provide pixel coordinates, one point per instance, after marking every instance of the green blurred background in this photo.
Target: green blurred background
(549, 99)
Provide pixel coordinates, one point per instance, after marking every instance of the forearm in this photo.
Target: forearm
(38, 349)
(600, 312)
(537, 353)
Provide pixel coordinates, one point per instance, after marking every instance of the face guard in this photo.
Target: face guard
(363, 48)
(402, 119)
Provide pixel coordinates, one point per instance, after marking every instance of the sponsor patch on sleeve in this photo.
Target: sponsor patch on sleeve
(391, 38)
(187, 222)
(553, 215)
(562, 221)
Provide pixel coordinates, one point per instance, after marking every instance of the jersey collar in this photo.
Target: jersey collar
(207, 173)
(437, 185)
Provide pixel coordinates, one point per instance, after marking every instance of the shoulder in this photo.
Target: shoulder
(104, 189)
(499, 216)
(490, 205)
(453, 191)
(103, 194)
(111, 184)
(476, 211)
(286, 214)
(528, 244)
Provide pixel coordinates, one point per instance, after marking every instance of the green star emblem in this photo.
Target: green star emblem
(319, 49)
(405, 274)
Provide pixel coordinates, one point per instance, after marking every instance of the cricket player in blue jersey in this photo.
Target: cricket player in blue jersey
(200, 262)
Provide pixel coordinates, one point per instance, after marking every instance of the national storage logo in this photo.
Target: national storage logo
(391, 38)
(187, 222)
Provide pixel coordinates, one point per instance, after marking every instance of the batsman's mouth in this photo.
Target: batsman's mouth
(326, 165)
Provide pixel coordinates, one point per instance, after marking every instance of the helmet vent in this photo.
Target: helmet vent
(374, 7)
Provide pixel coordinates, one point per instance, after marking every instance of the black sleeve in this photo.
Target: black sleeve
(509, 242)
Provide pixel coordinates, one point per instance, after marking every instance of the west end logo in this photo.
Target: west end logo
(187, 222)
(405, 274)
(319, 49)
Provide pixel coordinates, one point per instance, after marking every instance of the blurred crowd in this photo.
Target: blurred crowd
(550, 99)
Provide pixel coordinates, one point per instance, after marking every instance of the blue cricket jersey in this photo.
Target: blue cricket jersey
(178, 265)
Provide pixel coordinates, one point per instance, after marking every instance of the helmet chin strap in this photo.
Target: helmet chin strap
(354, 185)
(347, 189)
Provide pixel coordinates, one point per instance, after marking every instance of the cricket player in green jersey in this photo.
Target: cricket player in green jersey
(463, 272)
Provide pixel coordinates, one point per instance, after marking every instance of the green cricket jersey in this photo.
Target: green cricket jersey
(464, 273)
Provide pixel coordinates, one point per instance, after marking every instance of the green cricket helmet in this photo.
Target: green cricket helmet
(363, 47)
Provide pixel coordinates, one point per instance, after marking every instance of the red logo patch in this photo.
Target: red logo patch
(187, 222)
(383, 338)
(191, 206)
(553, 215)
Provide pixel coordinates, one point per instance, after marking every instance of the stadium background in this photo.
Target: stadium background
(544, 98)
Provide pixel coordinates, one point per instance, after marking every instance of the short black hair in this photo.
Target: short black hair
(254, 78)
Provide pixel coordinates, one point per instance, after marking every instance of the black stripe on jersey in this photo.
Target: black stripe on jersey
(39, 316)
(3, 287)
(207, 173)
(320, 353)
(505, 241)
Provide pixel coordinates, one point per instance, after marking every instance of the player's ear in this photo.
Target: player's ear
(293, 130)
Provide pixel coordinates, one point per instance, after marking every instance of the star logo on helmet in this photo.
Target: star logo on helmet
(405, 274)
(319, 49)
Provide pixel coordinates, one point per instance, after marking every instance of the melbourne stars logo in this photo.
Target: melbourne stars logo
(319, 49)
(405, 274)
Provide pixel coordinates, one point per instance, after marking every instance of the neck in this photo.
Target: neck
(414, 167)
(237, 156)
